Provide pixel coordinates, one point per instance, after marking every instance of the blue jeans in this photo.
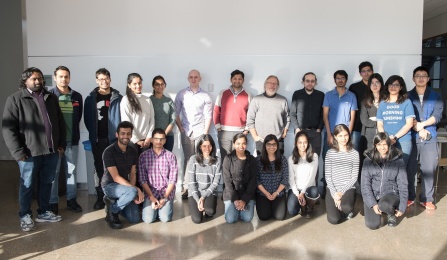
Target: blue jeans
(232, 215)
(405, 147)
(124, 196)
(427, 153)
(164, 214)
(44, 168)
(293, 205)
(69, 161)
(355, 139)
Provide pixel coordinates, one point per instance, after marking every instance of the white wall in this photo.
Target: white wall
(285, 38)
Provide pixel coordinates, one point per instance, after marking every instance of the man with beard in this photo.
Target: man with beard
(34, 132)
(119, 179)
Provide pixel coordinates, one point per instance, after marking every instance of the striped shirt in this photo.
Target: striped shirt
(158, 171)
(341, 170)
(203, 180)
(271, 179)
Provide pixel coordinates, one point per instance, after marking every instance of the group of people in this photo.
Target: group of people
(132, 142)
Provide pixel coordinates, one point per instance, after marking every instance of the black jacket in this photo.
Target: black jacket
(77, 102)
(390, 178)
(239, 177)
(23, 127)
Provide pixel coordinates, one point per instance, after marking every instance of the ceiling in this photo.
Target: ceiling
(434, 8)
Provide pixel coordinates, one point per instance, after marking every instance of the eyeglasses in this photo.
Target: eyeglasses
(160, 85)
(271, 83)
(365, 71)
(340, 79)
(103, 80)
(309, 81)
(394, 85)
(420, 77)
(271, 144)
(159, 139)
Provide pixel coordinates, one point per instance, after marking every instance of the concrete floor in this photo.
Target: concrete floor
(420, 234)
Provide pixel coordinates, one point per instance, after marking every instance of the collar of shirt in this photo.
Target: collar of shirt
(198, 90)
(236, 93)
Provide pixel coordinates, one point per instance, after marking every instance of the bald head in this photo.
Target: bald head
(194, 78)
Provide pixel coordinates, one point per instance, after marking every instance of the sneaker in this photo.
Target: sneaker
(27, 223)
(185, 194)
(73, 206)
(410, 203)
(48, 216)
(54, 208)
(392, 221)
(428, 205)
(350, 215)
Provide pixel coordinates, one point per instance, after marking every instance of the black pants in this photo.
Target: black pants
(210, 208)
(271, 208)
(387, 204)
(347, 205)
(97, 151)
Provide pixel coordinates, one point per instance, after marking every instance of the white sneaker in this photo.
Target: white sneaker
(48, 216)
(27, 223)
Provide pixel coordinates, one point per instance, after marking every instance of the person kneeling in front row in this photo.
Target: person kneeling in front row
(384, 183)
(158, 173)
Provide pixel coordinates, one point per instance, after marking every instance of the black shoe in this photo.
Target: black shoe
(185, 194)
(99, 204)
(392, 221)
(74, 206)
(107, 202)
(54, 208)
(114, 220)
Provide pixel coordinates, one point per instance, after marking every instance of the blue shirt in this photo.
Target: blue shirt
(394, 117)
(340, 107)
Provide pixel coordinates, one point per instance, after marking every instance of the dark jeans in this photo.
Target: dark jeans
(42, 170)
(271, 208)
(210, 208)
(347, 205)
(169, 145)
(293, 206)
(428, 157)
(387, 204)
(97, 151)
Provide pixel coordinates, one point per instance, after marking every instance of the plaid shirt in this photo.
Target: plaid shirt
(158, 171)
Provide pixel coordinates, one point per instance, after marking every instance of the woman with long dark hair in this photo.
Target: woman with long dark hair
(137, 109)
(273, 180)
(204, 176)
(395, 115)
(303, 167)
(384, 183)
(341, 172)
(164, 109)
(368, 111)
(239, 170)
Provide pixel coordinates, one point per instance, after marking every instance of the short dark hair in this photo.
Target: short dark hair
(338, 129)
(341, 72)
(61, 68)
(365, 64)
(124, 124)
(237, 72)
(199, 154)
(27, 74)
(158, 131)
(402, 93)
(421, 68)
(103, 71)
(309, 73)
(309, 151)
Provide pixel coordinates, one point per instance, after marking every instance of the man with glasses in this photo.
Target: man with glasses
(34, 132)
(339, 107)
(193, 109)
(158, 175)
(428, 107)
(230, 112)
(101, 118)
(268, 114)
(119, 179)
(359, 89)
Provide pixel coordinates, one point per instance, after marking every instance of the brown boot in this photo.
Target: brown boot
(303, 211)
